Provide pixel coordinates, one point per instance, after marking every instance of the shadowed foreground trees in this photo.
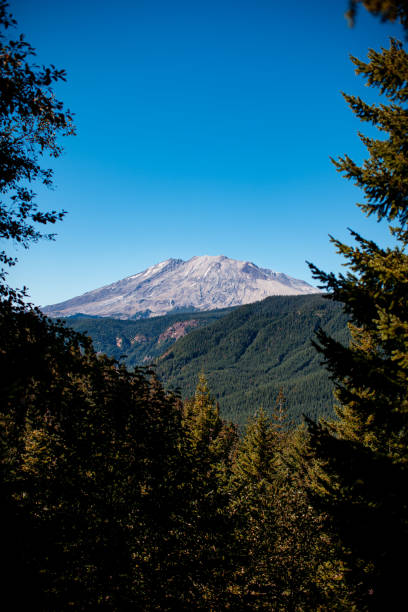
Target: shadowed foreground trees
(116, 496)
(92, 471)
(363, 454)
(284, 558)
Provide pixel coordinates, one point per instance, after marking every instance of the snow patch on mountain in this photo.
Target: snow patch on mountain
(203, 282)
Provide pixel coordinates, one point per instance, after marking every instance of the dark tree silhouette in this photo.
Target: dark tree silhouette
(364, 453)
(31, 121)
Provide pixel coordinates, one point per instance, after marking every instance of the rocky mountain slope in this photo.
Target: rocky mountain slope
(201, 283)
(139, 342)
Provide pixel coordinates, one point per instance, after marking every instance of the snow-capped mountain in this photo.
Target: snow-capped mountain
(204, 283)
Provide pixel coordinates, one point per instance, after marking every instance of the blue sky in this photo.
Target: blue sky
(203, 128)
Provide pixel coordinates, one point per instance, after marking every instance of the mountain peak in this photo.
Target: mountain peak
(204, 282)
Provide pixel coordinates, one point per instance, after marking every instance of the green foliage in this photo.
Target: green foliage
(116, 496)
(283, 554)
(209, 436)
(251, 353)
(31, 120)
(363, 454)
(139, 342)
(210, 443)
(92, 472)
(387, 10)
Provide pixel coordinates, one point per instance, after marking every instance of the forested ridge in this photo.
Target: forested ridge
(253, 352)
(117, 495)
(247, 353)
(140, 342)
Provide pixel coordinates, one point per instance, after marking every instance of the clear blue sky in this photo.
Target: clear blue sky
(204, 127)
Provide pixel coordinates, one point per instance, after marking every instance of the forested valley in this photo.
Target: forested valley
(247, 353)
(118, 495)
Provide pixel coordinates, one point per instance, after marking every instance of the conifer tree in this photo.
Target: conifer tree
(207, 431)
(91, 474)
(364, 452)
(279, 544)
(209, 446)
(252, 496)
(387, 10)
(93, 460)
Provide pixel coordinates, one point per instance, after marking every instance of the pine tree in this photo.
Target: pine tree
(278, 537)
(387, 10)
(252, 493)
(208, 453)
(364, 453)
(91, 475)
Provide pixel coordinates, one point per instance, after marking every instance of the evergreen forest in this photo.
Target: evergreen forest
(117, 493)
(253, 352)
(267, 344)
(140, 342)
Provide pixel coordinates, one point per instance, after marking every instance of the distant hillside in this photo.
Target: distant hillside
(251, 353)
(139, 342)
(247, 352)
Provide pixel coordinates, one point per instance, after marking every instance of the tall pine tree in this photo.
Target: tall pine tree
(364, 453)
(279, 548)
(209, 443)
